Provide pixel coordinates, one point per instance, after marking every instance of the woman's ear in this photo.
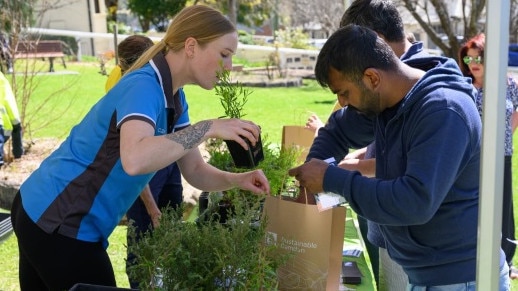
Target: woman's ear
(371, 78)
(190, 47)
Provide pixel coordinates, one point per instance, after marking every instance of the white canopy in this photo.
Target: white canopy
(492, 158)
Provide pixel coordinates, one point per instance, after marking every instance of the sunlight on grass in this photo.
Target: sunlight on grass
(58, 101)
(9, 264)
(117, 252)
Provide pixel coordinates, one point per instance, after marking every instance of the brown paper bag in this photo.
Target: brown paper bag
(315, 240)
(298, 136)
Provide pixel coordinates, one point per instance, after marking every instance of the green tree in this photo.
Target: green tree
(155, 12)
(15, 15)
(248, 12)
(253, 12)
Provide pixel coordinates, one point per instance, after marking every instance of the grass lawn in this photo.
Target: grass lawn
(269, 107)
(74, 94)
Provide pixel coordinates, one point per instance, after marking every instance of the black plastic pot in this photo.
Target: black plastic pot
(225, 209)
(246, 158)
(207, 211)
(221, 211)
(203, 202)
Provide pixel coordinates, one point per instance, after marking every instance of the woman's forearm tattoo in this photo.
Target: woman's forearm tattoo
(191, 136)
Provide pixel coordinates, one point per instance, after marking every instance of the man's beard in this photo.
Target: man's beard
(370, 102)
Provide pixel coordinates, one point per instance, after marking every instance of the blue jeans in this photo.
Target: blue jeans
(504, 284)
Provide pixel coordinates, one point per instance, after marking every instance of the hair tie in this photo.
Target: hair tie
(164, 45)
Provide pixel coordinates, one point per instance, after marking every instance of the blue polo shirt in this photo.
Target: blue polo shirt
(81, 190)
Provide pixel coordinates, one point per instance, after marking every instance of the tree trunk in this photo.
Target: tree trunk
(232, 11)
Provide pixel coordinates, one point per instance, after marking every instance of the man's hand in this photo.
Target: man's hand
(310, 175)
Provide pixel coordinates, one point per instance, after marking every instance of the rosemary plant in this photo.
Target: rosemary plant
(233, 96)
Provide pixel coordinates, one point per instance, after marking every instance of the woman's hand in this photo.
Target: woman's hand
(314, 123)
(357, 154)
(151, 207)
(155, 218)
(367, 167)
(254, 181)
(235, 129)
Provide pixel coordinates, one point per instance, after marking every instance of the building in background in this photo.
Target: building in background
(78, 15)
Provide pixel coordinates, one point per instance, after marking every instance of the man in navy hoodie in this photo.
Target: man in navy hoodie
(383, 17)
(428, 135)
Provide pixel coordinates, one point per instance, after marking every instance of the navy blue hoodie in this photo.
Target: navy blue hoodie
(426, 191)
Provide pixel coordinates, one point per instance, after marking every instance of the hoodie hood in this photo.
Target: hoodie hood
(440, 72)
(416, 50)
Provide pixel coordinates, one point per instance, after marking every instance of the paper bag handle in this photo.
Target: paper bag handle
(298, 200)
(302, 190)
(305, 195)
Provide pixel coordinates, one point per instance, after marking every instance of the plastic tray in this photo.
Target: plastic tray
(6, 229)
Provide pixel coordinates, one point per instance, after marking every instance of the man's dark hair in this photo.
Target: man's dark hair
(381, 16)
(351, 50)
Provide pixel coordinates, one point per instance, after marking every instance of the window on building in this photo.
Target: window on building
(97, 7)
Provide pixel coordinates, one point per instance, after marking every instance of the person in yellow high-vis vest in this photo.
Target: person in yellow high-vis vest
(10, 123)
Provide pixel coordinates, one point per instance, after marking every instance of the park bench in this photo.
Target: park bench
(49, 49)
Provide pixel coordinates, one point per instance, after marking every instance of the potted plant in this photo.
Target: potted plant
(275, 165)
(233, 98)
(182, 255)
(225, 248)
(219, 202)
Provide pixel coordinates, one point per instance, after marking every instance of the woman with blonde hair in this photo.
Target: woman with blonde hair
(68, 207)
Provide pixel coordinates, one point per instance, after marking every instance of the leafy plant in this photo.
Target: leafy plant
(219, 156)
(275, 165)
(208, 255)
(233, 96)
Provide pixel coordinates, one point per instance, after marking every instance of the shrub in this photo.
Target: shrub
(208, 255)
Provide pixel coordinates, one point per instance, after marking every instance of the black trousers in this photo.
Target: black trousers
(55, 262)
